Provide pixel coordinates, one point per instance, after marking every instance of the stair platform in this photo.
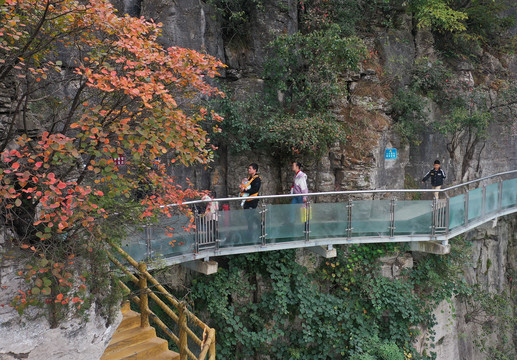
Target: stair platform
(130, 341)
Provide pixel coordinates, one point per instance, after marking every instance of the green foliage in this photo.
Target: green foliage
(235, 15)
(438, 15)
(495, 315)
(411, 183)
(474, 24)
(428, 77)
(321, 14)
(306, 68)
(408, 108)
(302, 81)
(376, 349)
(267, 303)
(468, 109)
(254, 124)
(308, 135)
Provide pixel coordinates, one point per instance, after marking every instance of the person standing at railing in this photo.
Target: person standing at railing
(299, 187)
(211, 216)
(299, 184)
(250, 190)
(437, 176)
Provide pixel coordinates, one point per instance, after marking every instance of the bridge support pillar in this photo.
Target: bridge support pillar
(430, 247)
(325, 251)
(204, 267)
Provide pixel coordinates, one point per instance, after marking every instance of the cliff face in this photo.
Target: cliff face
(356, 165)
(349, 166)
(463, 329)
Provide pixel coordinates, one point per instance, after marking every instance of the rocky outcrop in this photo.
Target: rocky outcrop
(31, 336)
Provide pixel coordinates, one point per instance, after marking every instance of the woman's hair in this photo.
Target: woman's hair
(299, 164)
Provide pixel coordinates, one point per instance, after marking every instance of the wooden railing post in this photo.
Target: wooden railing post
(182, 322)
(212, 346)
(144, 300)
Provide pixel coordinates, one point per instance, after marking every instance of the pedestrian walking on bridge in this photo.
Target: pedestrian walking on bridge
(437, 176)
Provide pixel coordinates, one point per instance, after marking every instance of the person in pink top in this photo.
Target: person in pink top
(299, 184)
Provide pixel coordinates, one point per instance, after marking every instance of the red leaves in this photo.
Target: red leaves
(66, 176)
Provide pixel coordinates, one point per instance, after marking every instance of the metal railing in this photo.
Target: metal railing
(350, 219)
(175, 310)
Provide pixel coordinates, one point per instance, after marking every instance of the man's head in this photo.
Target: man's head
(297, 166)
(252, 169)
(436, 164)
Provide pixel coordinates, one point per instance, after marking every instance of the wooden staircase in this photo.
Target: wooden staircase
(130, 341)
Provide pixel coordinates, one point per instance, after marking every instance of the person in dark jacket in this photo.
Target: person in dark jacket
(252, 187)
(437, 176)
(249, 190)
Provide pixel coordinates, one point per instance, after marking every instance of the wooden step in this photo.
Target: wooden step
(169, 355)
(125, 338)
(130, 320)
(147, 350)
(132, 342)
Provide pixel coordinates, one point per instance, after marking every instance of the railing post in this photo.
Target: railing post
(435, 217)
(447, 218)
(349, 219)
(144, 300)
(483, 203)
(263, 224)
(212, 349)
(217, 240)
(148, 245)
(307, 220)
(467, 199)
(392, 217)
(182, 323)
(500, 197)
(196, 230)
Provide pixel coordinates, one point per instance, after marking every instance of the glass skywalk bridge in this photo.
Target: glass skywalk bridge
(328, 218)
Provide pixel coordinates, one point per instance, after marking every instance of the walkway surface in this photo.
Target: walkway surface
(346, 217)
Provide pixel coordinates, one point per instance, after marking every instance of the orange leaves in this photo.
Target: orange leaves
(65, 179)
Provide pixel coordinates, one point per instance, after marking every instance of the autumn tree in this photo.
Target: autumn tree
(84, 87)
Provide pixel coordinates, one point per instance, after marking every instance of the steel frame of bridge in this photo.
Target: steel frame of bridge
(208, 247)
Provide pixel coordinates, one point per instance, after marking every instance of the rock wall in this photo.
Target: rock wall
(359, 164)
(492, 265)
(31, 336)
(346, 168)
(196, 25)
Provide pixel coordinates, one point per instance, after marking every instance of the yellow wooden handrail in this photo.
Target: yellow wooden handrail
(207, 345)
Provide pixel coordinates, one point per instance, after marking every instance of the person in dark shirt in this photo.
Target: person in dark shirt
(252, 187)
(437, 176)
(250, 190)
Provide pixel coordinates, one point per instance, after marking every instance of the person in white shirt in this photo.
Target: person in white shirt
(299, 184)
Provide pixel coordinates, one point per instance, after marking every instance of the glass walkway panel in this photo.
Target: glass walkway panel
(283, 226)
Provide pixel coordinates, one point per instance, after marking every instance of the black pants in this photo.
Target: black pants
(252, 219)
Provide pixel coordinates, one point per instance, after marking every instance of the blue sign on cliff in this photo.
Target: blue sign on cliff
(390, 154)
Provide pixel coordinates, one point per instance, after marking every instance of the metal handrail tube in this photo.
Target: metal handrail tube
(348, 192)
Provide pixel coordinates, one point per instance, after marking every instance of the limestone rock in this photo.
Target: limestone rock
(31, 337)
(186, 23)
(398, 51)
(425, 44)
